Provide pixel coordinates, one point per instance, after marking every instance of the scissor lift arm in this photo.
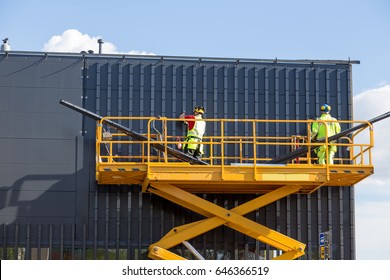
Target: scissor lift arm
(217, 216)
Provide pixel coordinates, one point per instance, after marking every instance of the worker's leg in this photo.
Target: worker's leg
(321, 155)
(330, 157)
(193, 148)
(197, 154)
(189, 147)
(332, 152)
(198, 151)
(185, 148)
(190, 152)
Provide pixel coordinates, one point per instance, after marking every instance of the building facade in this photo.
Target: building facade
(50, 204)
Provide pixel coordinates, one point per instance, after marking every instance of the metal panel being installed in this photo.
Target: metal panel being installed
(50, 204)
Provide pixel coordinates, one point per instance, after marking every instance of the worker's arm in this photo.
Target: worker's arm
(184, 117)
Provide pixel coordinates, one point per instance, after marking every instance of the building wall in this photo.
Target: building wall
(48, 195)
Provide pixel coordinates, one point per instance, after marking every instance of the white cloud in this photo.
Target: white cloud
(73, 41)
(373, 194)
(373, 230)
(370, 103)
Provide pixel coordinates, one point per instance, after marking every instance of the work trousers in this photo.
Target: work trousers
(321, 154)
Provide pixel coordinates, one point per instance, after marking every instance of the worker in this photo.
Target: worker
(321, 130)
(195, 131)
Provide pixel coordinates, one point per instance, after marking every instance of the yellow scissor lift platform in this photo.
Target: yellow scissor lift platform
(244, 172)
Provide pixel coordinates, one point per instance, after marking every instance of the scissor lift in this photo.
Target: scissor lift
(245, 172)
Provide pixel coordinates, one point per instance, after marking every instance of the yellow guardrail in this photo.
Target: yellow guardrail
(246, 147)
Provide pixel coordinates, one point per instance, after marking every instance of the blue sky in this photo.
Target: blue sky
(300, 29)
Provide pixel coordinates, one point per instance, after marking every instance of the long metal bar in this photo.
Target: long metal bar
(193, 250)
(173, 152)
(304, 149)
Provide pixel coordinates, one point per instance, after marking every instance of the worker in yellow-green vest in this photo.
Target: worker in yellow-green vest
(321, 130)
(196, 129)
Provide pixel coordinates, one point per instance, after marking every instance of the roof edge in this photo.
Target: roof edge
(185, 58)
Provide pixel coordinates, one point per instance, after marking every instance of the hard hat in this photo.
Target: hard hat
(326, 108)
(199, 109)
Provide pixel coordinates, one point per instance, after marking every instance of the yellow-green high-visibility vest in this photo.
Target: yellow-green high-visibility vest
(319, 129)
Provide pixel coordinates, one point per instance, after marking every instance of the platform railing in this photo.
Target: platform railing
(250, 147)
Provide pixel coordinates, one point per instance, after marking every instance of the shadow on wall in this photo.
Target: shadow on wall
(39, 199)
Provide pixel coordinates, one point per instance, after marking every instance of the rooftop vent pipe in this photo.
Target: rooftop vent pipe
(5, 47)
(100, 42)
